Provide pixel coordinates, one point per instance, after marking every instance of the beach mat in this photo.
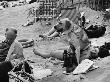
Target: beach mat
(72, 14)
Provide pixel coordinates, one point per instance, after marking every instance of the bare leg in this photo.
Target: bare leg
(50, 32)
(46, 53)
(55, 34)
(57, 54)
(41, 52)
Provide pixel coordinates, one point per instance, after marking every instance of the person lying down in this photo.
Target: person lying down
(76, 37)
(54, 33)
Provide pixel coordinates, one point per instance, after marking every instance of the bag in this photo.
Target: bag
(103, 52)
(107, 45)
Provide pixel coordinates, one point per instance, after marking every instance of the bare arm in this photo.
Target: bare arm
(55, 34)
(18, 52)
(50, 32)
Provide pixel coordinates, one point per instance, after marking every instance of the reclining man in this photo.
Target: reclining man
(10, 50)
(76, 36)
(53, 33)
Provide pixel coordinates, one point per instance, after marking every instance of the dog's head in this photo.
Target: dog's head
(63, 25)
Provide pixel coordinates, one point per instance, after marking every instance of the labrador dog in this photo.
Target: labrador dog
(63, 25)
(76, 36)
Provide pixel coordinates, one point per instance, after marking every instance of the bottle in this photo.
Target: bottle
(67, 61)
(65, 58)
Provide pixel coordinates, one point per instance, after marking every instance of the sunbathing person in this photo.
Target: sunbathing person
(76, 37)
(10, 48)
(53, 32)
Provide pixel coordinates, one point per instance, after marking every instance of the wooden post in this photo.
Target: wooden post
(87, 3)
(90, 3)
(102, 6)
(79, 5)
(98, 4)
(94, 7)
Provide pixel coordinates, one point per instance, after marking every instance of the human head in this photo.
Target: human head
(11, 34)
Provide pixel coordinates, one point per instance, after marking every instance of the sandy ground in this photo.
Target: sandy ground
(15, 17)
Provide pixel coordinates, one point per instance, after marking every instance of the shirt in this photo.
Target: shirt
(16, 53)
(4, 48)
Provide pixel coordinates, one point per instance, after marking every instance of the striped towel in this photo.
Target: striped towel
(71, 14)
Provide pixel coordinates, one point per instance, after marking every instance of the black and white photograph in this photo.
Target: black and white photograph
(54, 40)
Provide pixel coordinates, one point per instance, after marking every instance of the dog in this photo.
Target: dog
(76, 35)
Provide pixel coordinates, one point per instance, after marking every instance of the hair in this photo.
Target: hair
(13, 29)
